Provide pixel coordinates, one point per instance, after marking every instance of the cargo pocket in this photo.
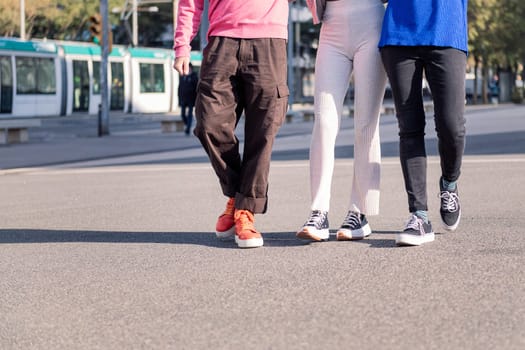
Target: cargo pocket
(282, 103)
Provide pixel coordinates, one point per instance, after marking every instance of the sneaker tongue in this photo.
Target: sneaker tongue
(244, 215)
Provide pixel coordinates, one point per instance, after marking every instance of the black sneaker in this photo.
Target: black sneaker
(450, 210)
(315, 228)
(416, 232)
(355, 226)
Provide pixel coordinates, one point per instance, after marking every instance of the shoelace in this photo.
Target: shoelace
(415, 223)
(245, 220)
(449, 201)
(316, 218)
(230, 207)
(352, 219)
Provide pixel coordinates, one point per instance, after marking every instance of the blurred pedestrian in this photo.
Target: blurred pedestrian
(427, 37)
(348, 41)
(187, 94)
(494, 89)
(243, 71)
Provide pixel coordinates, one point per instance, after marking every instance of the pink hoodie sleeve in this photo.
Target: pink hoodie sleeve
(188, 21)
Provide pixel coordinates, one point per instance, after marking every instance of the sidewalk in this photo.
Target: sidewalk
(74, 138)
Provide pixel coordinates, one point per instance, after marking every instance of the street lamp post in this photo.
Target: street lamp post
(290, 65)
(103, 124)
(135, 24)
(22, 19)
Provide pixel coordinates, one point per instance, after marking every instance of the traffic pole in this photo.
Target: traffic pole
(104, 95)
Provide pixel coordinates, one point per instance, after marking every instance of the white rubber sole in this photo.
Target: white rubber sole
(344, 234)
(309, 234)
(226, 235)
(407, 239)
(249, 243)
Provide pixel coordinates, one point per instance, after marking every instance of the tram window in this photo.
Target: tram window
(151, 77)
(96, 78)
(35, 75)
(80, 85)
(6, 85)
(117, 86)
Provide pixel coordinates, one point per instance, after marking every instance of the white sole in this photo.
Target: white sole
(226, 235)
(249, 243)
(317, 236)
(413, 240)
(344, 234)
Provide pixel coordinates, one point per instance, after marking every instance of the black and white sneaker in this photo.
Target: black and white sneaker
(355, 226)
(416, 232)
(450, 210)
(315, 228)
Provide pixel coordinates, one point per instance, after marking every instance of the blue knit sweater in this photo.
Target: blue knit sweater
(440, 23)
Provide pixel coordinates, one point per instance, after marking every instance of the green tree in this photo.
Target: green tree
(496, 31)
(9, 18)
(52, 19)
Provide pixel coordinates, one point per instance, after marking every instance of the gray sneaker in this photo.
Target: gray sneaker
(355, 226)
(450, 210)
(315, 228)
(416, 232)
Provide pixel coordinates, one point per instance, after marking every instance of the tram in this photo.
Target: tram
(57, 78)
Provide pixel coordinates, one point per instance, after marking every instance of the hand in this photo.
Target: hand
(182, 65)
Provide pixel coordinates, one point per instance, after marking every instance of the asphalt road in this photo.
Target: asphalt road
(117, 253)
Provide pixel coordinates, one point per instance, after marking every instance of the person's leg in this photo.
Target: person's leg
(404, 68)
(265, 99)
(369, 86)
(332, 75)
(215, 111)
(405, 73)
(263, 93)
(445, 72)
(189, 119)
(183, 113)
(369, 82)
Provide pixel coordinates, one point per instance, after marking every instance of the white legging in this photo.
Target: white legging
(348, 41)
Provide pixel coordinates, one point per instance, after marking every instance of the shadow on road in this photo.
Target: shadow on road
(272, 239)
(486, 144)
(18, 236)
(475, 145)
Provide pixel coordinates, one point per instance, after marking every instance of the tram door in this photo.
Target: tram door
(6, 85)
(117, 86)
(80, 86)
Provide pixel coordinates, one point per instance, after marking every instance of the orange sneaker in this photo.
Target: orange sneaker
(225, 227)
(246, 236)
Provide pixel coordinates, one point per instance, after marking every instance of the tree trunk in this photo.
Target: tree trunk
(475, 87)
(484, 80)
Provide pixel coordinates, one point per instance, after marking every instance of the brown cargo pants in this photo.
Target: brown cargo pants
(242, 76)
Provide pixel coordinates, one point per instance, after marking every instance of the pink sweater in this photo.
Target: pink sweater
(246, 19)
